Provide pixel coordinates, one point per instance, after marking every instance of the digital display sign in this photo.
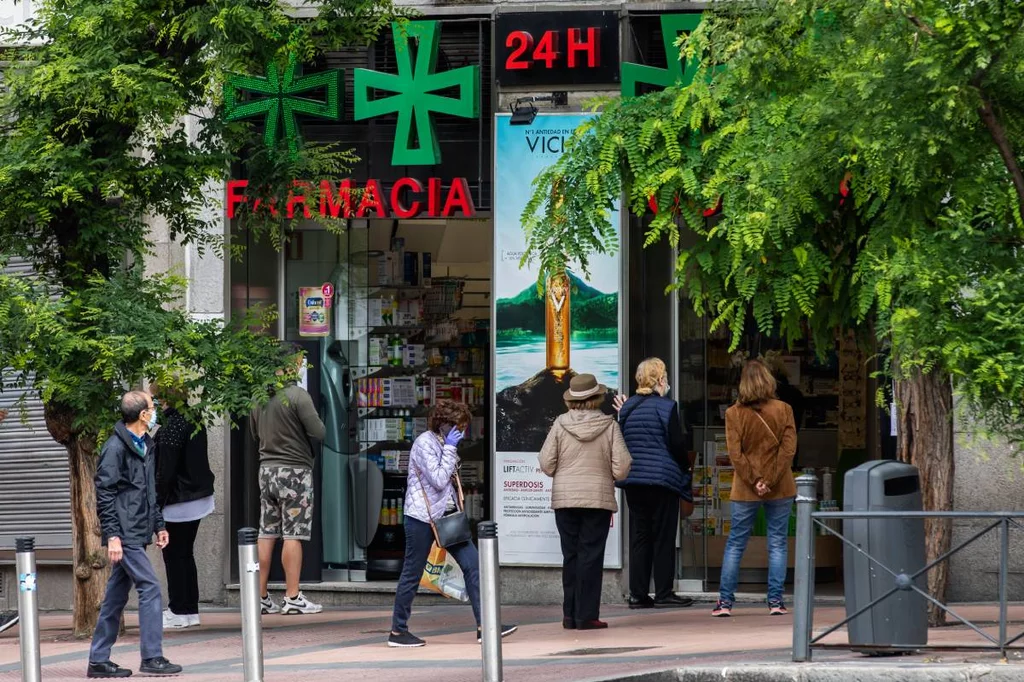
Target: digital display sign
(556, 48)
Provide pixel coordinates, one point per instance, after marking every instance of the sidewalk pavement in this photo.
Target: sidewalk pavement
(349, 644)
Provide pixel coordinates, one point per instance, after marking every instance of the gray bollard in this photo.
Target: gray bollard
(28, 609)
(252, 626)
(803, 582)
(490, 601)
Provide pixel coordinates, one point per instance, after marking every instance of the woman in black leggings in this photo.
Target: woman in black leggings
(184, 488)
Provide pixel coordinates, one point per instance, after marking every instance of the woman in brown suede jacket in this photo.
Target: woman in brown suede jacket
(585, 454)
(761, 437)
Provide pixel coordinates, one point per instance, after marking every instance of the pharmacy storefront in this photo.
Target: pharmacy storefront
(405, 287)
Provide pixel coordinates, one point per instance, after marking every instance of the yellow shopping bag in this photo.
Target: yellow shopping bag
(443, 575)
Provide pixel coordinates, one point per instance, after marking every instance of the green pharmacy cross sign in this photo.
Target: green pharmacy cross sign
(416, 89)
(280, 99)
(634, 75)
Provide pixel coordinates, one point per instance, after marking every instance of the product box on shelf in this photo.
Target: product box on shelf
(725, 477)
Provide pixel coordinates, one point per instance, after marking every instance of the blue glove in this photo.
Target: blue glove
(454, 437)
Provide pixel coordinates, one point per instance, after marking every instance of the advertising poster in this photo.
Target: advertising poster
(314, 319)
(541, 340)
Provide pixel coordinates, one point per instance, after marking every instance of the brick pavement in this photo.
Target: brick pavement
(348, 644)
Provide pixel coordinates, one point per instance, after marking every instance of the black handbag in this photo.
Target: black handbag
(451, 529)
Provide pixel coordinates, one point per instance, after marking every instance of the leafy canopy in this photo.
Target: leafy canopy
(912, 105)
(110, 127)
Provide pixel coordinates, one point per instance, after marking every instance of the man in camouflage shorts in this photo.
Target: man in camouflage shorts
(283, 429)
(286, 503)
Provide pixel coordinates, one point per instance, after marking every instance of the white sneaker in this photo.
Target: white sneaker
(193, 620)
(267, 605)
(173, 621)
(300, 605)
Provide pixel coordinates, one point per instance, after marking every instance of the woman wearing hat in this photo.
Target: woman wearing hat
(585, 454)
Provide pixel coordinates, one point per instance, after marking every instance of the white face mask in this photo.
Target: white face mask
(152, 419)
(667, 389)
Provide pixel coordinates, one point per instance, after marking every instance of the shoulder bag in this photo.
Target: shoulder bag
(451, 529)
(778, 443)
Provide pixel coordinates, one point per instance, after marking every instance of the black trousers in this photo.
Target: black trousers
(584, 533)
(653, 521)
(180, 562)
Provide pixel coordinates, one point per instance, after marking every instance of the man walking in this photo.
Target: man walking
(129, 517)
(282, 430)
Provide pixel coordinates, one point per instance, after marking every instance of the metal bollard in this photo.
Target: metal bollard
(490, 601)
(28, 609)
(803, 583)
(252, 626)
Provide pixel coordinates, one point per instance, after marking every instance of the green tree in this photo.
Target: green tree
(866, 158)
(111, 120)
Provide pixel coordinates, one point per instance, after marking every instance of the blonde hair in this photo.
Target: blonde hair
(648, 374)
(757, 384)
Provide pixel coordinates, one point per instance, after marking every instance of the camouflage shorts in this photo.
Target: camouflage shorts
(286, 503)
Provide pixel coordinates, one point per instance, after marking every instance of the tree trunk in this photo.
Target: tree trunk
(88, 555)
(925, 404)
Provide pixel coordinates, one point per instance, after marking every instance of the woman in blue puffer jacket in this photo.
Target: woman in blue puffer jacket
(658, 480)
(431, 494)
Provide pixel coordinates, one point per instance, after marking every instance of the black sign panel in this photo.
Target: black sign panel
(556, 48)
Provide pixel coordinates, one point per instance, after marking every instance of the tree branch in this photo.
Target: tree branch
(1002, 140)
(921, 26)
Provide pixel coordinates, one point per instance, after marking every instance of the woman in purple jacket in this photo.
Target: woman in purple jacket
(432, 465)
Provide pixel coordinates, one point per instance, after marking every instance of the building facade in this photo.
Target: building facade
(403, 282)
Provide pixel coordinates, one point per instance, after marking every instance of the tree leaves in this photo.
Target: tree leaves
(886, 95)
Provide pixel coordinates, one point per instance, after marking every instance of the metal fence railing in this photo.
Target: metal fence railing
(809, 521)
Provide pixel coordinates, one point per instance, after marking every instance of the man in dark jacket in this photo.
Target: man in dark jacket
(129, 517)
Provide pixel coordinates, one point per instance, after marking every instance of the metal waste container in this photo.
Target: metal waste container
(898, 544)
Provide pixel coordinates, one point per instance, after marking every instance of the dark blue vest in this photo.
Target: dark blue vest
(644, 420)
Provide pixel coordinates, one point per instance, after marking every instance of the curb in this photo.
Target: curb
(826, 672)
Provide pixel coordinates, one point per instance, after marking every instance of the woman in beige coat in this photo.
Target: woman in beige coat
(585, 454)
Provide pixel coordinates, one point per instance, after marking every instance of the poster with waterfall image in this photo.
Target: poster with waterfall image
(543, 339)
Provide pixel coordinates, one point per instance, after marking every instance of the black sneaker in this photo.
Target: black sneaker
(405, 640)
(107, 669)
(673, 601)
(159, 666)
(8, 619)
(506, 630)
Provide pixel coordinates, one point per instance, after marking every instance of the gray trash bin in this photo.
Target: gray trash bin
(902, 618)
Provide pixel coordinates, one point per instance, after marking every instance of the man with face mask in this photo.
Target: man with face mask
(129, 518)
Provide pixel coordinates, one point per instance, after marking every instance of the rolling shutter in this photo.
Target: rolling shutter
(35, 495)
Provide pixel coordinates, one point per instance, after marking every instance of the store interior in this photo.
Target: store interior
(408, 324)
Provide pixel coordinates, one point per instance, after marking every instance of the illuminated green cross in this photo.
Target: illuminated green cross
(281, 99)
(416, 87)
(635, 74)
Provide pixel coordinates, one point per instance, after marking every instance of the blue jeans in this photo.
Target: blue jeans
(419, 537)
(134, 567)
(743, 515)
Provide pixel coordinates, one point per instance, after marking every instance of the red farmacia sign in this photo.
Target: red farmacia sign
(408, 198)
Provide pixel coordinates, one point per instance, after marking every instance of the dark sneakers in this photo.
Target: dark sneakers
(159, 666)
(673, 601)
(107, 669)
(506, 630)
(8, 619)
(404, 640)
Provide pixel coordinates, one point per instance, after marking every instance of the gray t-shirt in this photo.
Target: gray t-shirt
(284, 426)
